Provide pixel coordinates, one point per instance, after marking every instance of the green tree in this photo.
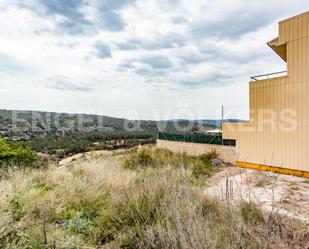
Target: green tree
(12, 154)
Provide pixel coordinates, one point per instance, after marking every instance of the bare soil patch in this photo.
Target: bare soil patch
(284, 194)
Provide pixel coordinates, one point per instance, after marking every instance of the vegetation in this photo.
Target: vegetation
(26, 125)
(64, 134)
(200, 165)
(142, 200)
(80, 142)
(12, 154)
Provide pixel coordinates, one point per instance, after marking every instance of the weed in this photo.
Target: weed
(251, 214)
(80, 225)
(17, 206)
(141, 159)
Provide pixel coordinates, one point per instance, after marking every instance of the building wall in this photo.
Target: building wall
(294, 28)
(283, 142)
(227, 153)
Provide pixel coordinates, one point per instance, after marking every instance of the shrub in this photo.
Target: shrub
(140, 159)
(80, 225)
(204, 167)
(14, 155)
(17, 207)
(201, 166)
(251, 214)
(126, 218)
(40, 182)
(210, 155)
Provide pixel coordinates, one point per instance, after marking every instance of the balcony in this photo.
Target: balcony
(268, 76)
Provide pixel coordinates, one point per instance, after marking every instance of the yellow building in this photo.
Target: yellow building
(277, 136)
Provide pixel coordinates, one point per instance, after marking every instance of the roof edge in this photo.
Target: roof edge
(290, 18)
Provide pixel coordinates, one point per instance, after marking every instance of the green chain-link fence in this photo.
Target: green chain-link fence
(193, 138)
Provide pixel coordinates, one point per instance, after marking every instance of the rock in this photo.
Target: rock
(217, 162)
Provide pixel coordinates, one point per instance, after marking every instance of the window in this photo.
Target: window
(229, 142)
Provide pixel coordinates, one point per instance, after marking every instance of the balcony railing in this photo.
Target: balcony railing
(268, 76)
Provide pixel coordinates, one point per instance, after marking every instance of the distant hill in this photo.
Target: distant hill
(211, 122)
(63, 134)
(217, 122)
(27, 125)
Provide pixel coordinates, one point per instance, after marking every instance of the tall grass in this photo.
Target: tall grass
(107, 204)
(153, 157)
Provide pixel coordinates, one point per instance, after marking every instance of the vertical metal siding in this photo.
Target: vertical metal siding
(280, 148)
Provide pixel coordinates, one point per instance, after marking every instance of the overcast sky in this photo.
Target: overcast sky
(145, 59)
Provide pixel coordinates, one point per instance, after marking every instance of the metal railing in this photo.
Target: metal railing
(268, 76)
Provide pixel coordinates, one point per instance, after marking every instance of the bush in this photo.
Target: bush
(204, 167)
(201, 166)
(126, 218)
(14, 155)
(17, 207)
(251, 214)
(80, 225)
(141, 159)
(210, 155)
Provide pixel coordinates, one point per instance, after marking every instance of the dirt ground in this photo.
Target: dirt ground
(91, 155)
(287, 195)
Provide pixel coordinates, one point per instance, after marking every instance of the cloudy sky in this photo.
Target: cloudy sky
(147, 59)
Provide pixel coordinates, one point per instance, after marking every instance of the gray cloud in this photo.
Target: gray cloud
(165, 42)
(180, 20)
(210, 79)
(74, 28)
(131, 44)
(8, 64)
(150, 74)
(125, 66)
(157, 62)
(234, 24)
(195, 58)
(190, 84)
(118, 4)
(102, 50)
(218, 54)
(68, 8)
(156, 67)
(75, 22)
(63, 84)
(218, 78)
(111, 20)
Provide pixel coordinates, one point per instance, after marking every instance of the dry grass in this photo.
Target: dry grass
(152, 157)
(99, 204)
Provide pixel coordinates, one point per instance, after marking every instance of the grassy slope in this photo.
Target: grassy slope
(146, 199)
